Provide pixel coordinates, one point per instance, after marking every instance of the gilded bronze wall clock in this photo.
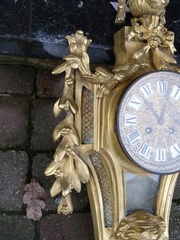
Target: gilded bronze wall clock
(121, 125)
(148, 123)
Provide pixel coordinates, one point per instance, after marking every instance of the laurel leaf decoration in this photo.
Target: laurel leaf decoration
(66, 102)
(56, 187)
(60, 68)
(59, 129)
(56, 110)
(66, 185)
(51, 168)
(68, 168)
(70, 172)
(81, 168)
(65, 128)
(61, 150)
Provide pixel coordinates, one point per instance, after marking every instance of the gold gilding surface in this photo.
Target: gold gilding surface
(143, 47)
(141, 225)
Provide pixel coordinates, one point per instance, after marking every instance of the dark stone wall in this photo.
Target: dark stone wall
(37, 28)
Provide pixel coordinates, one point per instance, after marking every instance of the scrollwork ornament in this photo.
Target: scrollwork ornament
(140, 225)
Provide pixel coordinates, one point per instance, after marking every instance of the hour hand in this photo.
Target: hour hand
(150, 108)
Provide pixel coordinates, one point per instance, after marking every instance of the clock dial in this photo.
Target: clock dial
(148, 122)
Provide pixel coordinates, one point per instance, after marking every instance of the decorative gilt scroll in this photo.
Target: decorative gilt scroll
(89, 100)
(140, 225)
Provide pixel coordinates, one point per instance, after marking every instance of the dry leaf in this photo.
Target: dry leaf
(33, 197)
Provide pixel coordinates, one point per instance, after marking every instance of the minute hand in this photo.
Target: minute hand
(164, 108)
(150, 107)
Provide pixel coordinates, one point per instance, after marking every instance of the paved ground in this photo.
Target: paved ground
(27, 95)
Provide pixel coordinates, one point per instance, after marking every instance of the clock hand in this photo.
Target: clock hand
(161, 117)
(150, 107)
(164, 106)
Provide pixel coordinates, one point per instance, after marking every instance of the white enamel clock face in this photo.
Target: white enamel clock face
(148, 122)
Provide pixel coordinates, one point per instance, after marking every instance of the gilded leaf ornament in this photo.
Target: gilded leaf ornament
(68, 168)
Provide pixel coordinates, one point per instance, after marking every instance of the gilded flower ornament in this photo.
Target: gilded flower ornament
(159, 43)
(65, 205)
(78, 43)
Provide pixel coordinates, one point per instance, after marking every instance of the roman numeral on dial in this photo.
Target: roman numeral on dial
(135, 102)
(162, 87)
(175, 93)
(129, 119)
(133, 137)
(160, 155)
(175, 150)
(146, 90)
(145, 150)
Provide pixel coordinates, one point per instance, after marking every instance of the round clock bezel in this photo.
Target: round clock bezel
(158, 167)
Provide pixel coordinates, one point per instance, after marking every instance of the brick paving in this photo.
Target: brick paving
(75, 227)
(27, 95)
(43, 123)
(17, 79)
(13, 109)
(13, 172)
(16, 227)
(49, 85)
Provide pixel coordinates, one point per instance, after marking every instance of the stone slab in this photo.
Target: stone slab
(174, 232)
(56, 19)
(14, 18)
(177, 190)
(172, 21)
(13, 172)
(41, 27)
(11, 46)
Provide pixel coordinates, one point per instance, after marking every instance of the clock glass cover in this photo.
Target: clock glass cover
(148, 122)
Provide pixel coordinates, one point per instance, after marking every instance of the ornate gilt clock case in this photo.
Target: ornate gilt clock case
(121, 130)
